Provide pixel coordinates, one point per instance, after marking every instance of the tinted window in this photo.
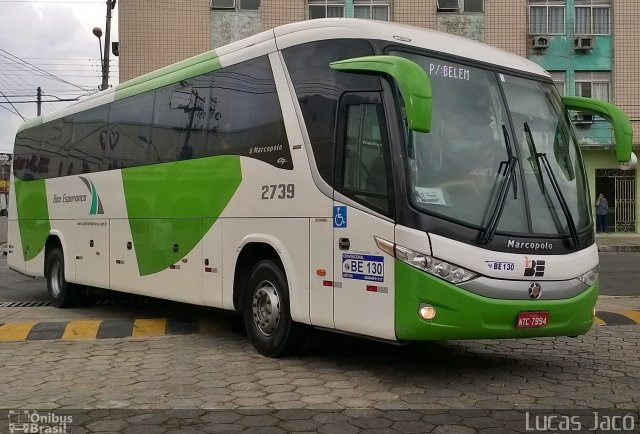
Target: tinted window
(56, 139)
(26, 158)
(364, 161)
(319, 87)
(89, 141)
(130, 131)
(180, 120)
(245, 116)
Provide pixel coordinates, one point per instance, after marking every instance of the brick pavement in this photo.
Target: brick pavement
(217, 383)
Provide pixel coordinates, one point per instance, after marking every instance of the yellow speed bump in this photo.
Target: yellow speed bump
(634, 315)
(598, 321)
(81, 329)
(149, 327)
(17, 331)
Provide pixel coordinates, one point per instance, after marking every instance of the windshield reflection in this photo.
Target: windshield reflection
(454, 169)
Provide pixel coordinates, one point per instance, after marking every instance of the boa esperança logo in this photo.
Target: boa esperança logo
(96, 203)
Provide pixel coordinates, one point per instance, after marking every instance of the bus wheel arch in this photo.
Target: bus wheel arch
(61, 292)
(261, 294)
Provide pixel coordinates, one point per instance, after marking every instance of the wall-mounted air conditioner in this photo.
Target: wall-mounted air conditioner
(540, 42)
(584, 43)
(582, 119)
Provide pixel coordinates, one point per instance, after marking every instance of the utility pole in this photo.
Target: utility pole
(107, 42)
(107, 45)
(39, 100)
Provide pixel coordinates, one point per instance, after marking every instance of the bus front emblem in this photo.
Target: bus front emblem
(535, 290)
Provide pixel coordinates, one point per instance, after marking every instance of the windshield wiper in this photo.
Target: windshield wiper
(554, 184)
(509, 172)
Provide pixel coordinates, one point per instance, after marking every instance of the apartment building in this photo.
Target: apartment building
(590, 47)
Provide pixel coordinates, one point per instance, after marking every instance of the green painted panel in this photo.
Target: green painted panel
(621, 124)
(464, 315)
(171, 74)
(33, 216)
(166, 205)
(412, 80)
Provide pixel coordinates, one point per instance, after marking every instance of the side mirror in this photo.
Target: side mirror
(622, 130)
(412, 80)
(181, 98)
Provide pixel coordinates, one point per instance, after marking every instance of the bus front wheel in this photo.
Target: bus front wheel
(267, 317)
(61, 292)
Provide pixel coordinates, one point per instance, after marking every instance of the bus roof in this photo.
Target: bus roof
(299, 33)
(446, 43)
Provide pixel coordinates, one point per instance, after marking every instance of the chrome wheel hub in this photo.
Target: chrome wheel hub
(266, 307)
(56, 279)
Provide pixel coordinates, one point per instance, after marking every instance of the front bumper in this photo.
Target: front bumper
(464, 315)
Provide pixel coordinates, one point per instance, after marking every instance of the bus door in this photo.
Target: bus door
(363, 208)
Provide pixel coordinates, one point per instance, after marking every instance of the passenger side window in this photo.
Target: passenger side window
(364, 164)
(130, 131)
(180, 119)
(245, 116)
(89, 141)
(56, 140)
(26, 155)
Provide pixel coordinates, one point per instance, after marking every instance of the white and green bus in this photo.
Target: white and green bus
(370, 178)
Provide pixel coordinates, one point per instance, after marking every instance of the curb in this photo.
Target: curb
(619, 249)
(83, 330)
(103, 329)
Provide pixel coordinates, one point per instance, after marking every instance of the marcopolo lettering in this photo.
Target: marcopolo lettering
(264, 149)
(513, 244)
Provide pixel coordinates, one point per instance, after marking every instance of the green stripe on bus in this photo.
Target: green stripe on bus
(171, 206)
(33, 216)
(183, 70)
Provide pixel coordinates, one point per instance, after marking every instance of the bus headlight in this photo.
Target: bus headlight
(445, 270)
(590, 277)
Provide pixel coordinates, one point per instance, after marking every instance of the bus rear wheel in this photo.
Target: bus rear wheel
(267, 316)
(62, 293)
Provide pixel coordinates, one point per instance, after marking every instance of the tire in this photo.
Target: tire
(267, 317)
(62, 293)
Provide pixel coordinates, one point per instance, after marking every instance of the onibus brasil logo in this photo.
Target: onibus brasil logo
(96, 203)
(25, 421)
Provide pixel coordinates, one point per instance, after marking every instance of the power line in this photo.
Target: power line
(17, 112)
(41, 70)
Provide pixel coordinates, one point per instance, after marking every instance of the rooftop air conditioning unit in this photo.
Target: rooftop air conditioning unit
(584, 43)
(583, 119)
(540, 42)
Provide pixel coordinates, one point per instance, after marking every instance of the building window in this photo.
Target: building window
(244, 5)
(546, 17)
(593, 84)
(326, 9)
(371, 9)
(461, 6)
(558, 78)
(592, 17)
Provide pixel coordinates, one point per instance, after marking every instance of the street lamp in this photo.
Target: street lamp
(97, 31)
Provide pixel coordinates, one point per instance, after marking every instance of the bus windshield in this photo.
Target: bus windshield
(458, 169)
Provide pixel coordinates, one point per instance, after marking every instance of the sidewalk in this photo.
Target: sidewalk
(620, 242)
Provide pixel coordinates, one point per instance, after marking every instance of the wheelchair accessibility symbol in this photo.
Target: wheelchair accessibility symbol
(339, 216)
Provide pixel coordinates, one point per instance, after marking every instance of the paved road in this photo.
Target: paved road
(216, 383)
(337, 384)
